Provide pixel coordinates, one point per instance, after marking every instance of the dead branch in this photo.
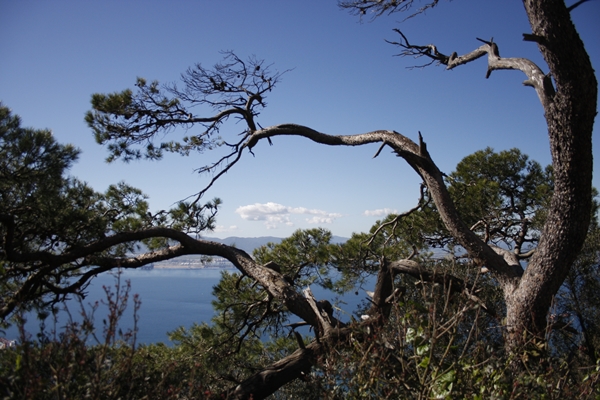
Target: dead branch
(576, 4)
(378, 8)
(541, 82)
(420, 204)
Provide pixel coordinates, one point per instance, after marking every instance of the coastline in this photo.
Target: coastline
(193, 264)
(184, 266)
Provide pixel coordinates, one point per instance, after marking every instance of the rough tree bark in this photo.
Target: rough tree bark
(570, 113)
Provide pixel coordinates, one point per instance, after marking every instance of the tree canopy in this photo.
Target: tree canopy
(504, 194)
(57, 232)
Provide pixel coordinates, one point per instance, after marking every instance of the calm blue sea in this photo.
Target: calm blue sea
(169, 299)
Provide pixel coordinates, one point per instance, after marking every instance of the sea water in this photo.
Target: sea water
(170, 298)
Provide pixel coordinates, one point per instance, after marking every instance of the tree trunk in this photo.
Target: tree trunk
(569, 113)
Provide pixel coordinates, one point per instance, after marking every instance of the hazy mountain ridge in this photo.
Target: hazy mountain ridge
(248, 244)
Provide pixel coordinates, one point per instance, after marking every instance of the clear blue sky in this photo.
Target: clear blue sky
(55, 54)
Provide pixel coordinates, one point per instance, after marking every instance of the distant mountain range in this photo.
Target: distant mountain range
(248, 244)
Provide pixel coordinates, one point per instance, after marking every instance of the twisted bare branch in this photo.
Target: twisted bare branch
(418, 158)
(541, 82)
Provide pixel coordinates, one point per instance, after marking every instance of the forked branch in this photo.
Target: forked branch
(541, 82)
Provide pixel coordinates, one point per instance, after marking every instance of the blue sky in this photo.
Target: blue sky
(344, 79)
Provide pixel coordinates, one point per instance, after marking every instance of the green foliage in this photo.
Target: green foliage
(64, 365)
(432, 348)
(575, 319)
(129, 121)
(391, 239)
(67, 365)
(50, 222)
(304, 258)
(246, 311)
(502, 196)
(147, 106)
(204, 361)
(503, 193)
(32, 185)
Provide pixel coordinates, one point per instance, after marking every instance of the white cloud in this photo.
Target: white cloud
(320, 220)
(273, 214)
(381, 212)
(261, 212)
